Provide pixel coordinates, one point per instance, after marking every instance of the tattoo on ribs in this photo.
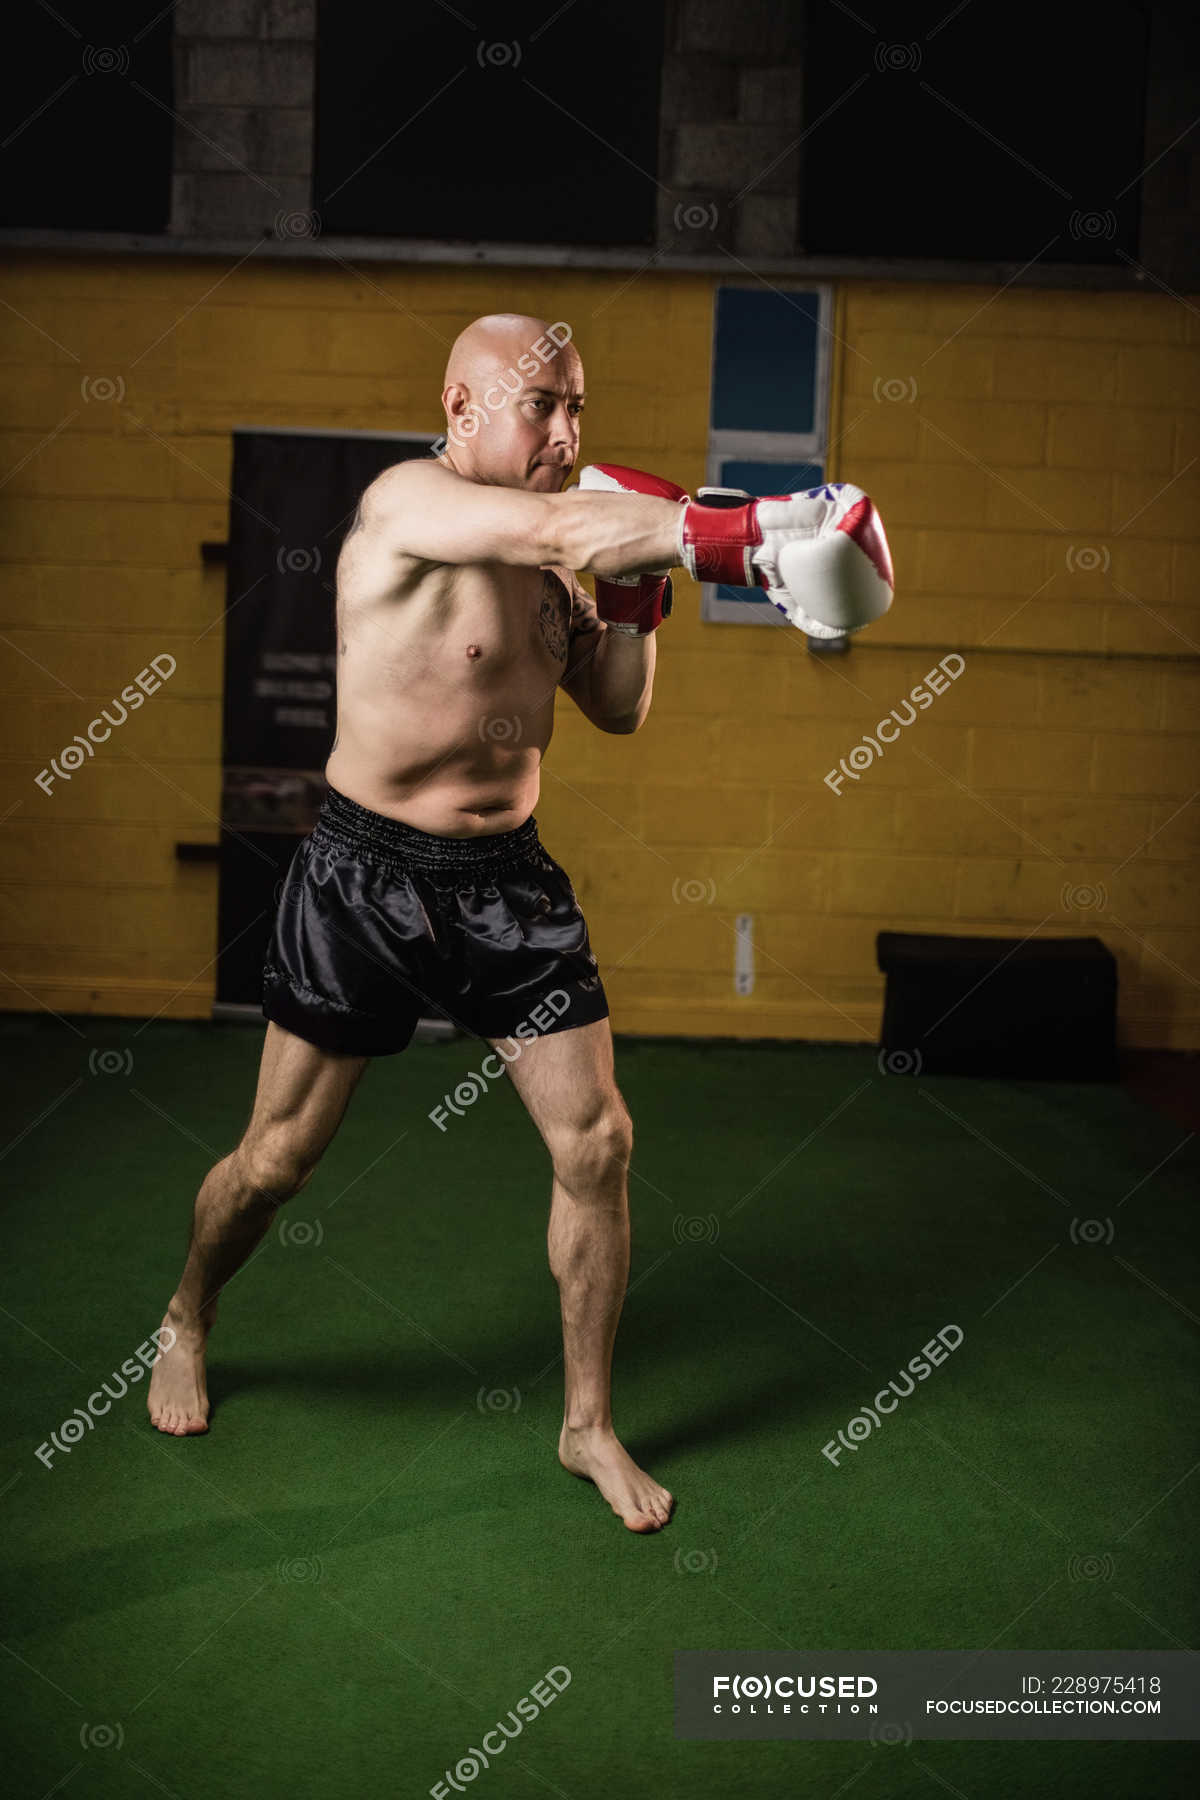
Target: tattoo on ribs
(554, 616)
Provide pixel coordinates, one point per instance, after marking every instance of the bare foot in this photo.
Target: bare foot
(178, 1397)
(594, 1453)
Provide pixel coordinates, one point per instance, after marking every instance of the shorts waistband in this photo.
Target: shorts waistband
(343, 824)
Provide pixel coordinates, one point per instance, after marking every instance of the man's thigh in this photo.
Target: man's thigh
(303, 1090)
(565, 1079)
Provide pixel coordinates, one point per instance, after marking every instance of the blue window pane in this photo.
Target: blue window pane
(771, 477)
(765, 363)
(765, 478)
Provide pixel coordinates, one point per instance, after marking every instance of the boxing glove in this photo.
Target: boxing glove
(634, 604)
(822, 556)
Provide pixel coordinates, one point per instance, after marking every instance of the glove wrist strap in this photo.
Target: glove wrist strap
(717, 542)
(635, 607)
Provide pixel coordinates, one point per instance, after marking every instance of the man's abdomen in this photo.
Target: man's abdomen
(454, 790)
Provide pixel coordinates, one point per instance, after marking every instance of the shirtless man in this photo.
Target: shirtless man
(458, 617)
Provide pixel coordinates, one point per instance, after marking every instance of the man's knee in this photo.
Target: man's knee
(593, 1152)
(276, 1162)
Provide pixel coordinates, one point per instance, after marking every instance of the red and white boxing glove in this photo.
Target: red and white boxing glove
(634, 604)
(822, 556)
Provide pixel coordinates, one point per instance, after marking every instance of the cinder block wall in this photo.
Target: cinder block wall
(244, 82)
(1033, 453)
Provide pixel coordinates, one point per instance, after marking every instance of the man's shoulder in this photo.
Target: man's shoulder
(412, 475)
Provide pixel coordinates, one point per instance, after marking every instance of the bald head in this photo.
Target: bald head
(513, 393)
(494, 343)
(491, 344)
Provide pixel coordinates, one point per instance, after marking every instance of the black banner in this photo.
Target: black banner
(294, 496)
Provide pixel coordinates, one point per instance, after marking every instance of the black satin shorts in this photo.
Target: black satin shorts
(380, 925)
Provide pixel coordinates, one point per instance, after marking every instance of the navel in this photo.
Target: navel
(474, 650)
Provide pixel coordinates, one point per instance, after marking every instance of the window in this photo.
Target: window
(87, 108)
(768, 424)
(981, 132)
(535, 125)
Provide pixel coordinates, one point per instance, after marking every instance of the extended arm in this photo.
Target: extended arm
(428, 511)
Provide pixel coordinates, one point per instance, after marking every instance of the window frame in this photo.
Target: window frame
(783, 447)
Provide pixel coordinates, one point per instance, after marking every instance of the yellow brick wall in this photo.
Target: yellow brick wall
(1034, 454)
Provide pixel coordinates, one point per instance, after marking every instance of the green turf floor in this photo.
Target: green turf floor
(374, 1554)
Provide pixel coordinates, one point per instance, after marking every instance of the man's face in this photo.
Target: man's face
(531, 439)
